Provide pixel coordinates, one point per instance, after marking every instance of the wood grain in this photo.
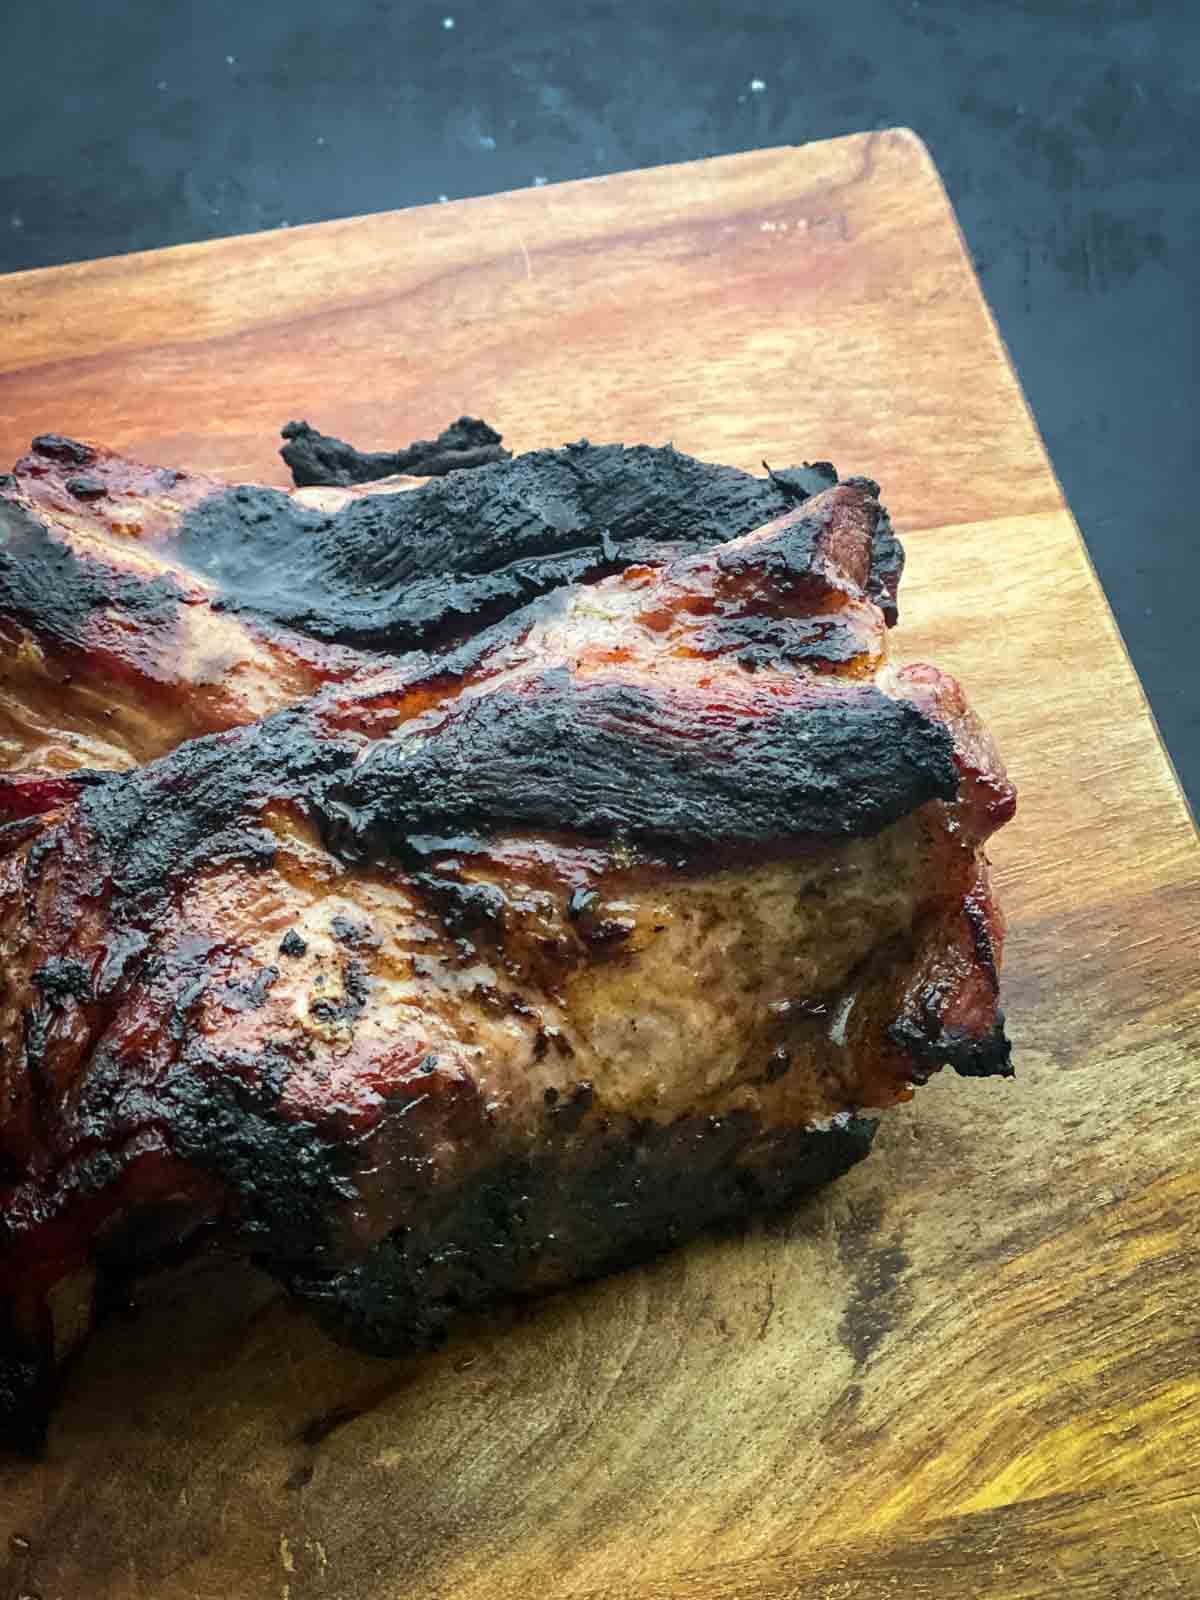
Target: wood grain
(967, 1370)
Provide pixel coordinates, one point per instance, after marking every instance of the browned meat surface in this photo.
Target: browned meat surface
(113, 648)
(565, 869)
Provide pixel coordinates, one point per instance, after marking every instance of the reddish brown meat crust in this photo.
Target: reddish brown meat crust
(454, 893)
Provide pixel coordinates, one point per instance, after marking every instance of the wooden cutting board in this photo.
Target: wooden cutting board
(969, 1369)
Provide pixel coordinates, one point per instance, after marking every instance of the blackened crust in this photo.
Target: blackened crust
(528, 1223)
(199, 806)
(582, 1207)
(288, 1180)
(887, 553)
(971, 1055)
(394, 572)
(57, 447)
(599, 759)
(48, 587)
(320, 459)
(887, 561)
(605, 759)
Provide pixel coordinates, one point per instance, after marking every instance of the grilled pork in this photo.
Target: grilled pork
(448, 894)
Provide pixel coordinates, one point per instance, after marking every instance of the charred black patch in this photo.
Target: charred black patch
(87, 488)
(36, 1022)
(981, 939)
(285, 1180)
(597, 759)
(318, 458)
(181, 1007)
(887, 554)
(391, 572)
(464, 907)
(250, 994)
(887, 559)
(196, 809)
(525, 1223)
(57, 593)
(971, 1055)
(356, 990)
(799, 484)
(57, 447)
(789, 561)
(103, 1093)
(61, 978)
(614, 760)
(762, 641)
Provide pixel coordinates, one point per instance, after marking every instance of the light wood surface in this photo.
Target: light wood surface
(970, 1368)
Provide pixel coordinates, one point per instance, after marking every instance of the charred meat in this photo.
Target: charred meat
(453, 892)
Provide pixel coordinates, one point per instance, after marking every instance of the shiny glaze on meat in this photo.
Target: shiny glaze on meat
(491, 963)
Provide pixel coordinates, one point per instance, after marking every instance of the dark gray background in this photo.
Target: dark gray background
(1066, 131)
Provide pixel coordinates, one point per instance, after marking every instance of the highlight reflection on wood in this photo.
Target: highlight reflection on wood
(969, 1369)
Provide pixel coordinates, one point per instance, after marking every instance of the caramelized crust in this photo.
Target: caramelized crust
(566, 886)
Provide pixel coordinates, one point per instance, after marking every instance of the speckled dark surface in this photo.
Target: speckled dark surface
(1067, 132)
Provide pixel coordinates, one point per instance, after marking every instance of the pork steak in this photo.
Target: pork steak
(448, 893)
